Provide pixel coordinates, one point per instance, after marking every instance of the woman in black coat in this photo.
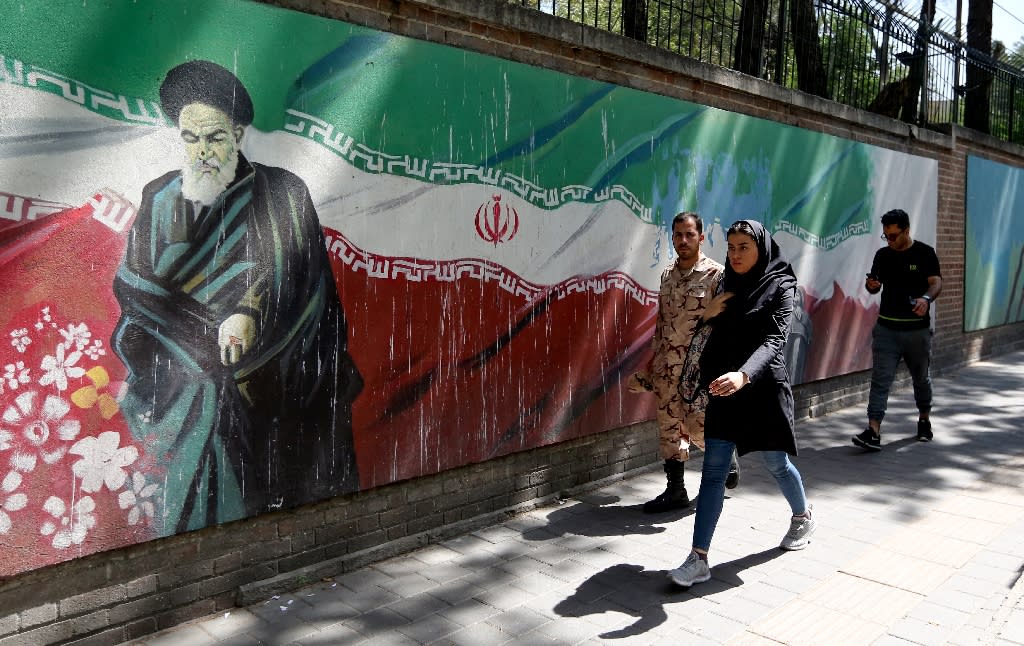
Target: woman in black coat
(750, 408)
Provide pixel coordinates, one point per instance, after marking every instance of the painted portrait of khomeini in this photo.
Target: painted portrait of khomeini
(239, 379)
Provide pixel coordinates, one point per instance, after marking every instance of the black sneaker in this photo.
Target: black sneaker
(868, 440)
(924, 430)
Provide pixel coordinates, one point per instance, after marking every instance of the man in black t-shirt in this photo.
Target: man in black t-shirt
(908, 270)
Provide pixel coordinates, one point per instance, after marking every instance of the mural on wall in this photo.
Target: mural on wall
(994, 264)
(186, 347)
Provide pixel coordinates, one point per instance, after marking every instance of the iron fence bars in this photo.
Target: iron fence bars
(868, 54)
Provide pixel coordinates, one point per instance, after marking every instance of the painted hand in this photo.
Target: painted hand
(235, 337)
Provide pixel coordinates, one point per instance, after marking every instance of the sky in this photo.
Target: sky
(1007, 19)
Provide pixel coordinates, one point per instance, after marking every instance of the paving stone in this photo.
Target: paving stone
(800, 622)
(436, 554)
(925, 545)
(188, 635)
(418, 606)
(430, 628)
(367, 598)
(376, 622)
(332, 636)
(365, 579)
(469, 612)
(230, 622)
(518, 621)
(567, 630)
(504, 598)
(475, 635)
(900, 571)
(445, 572)
(938, 615)
(327, 611)
(863, 598)
(456, 591)
(920, 632)
(409, 584)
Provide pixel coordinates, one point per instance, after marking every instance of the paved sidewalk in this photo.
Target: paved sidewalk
(922, 543)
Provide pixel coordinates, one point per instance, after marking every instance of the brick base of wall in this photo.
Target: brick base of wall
(117, 596)
(125, 594)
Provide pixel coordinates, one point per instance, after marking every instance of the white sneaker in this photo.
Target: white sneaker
(693, 570)
(801, 528)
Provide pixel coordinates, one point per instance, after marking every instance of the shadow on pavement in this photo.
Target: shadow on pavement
(606, 519)
(630, 589)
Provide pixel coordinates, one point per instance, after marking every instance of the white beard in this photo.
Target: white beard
(204, 188)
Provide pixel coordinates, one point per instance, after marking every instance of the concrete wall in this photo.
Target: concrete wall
(125, 593)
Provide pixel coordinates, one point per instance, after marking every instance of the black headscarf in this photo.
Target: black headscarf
(753, 290)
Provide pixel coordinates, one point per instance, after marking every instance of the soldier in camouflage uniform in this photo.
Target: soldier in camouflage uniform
(687, 286)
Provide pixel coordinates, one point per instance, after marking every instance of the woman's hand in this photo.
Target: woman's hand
(728, 384)
(716, 306)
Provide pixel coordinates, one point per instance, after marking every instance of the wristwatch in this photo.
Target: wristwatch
(927, 298)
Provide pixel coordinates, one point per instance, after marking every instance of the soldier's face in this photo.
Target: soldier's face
(210, 139)
(687, 240)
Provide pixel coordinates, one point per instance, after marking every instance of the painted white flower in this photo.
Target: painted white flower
(43, 424)
(57, 368)
(71, 528)
(20, 339)
(102, 461)
(12, 501)
(15, 374)
(96, 350)
(77, 335)
(139, 499)
(24, 462)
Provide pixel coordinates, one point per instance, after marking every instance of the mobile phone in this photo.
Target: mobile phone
(871, 276)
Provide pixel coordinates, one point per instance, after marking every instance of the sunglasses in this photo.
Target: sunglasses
(891, 237)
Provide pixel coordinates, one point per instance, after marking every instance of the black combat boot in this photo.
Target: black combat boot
(674, 496)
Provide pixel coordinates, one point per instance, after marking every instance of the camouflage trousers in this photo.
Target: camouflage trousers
(680, 425)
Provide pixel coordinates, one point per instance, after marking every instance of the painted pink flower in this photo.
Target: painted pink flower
(103, 461)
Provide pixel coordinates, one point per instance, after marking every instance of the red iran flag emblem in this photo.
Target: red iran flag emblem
(496, 222)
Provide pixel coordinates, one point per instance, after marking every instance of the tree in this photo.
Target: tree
(979, 75)
(807, 45)
(749, 52)
(918, 62)
(634, 19)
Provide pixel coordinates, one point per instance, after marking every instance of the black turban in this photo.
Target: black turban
(207, 83)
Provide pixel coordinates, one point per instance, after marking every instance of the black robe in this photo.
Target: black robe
(275, 429)
(750, 336)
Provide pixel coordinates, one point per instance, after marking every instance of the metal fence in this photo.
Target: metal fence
(862, 53)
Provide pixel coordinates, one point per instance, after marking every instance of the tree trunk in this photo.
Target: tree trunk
(749, 53)
(918, 61)
(807, 46)
(979, 78)
(634, 19)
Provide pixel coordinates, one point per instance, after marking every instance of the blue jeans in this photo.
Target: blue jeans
(888, 346)
(717, 459)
